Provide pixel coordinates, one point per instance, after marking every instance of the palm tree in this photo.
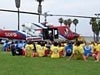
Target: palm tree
(65, 22)
(75, 22)
(61, 21)
(69, 21)
(97, 32)
(95, 28)
(92, 20)
(39, 8)
(98, 28)
(99, 24)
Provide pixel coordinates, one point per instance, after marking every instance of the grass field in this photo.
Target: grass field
(20, 65)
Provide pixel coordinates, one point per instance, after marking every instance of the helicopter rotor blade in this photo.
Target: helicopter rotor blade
(19, 12)
(73, 16)
(24, 12)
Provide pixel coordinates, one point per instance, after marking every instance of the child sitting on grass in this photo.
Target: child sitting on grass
(77, 52)
(55, 50)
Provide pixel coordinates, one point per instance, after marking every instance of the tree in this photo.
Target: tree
(91, 23)
(65, 22)
(39, 8)
(99, 24)
(61, 21)
(95, 28)
(75, 22)
(69, 21)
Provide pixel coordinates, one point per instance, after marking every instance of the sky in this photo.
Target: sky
(8, 20)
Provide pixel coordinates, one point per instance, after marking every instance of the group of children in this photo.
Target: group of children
(83, 50)
(76, 50)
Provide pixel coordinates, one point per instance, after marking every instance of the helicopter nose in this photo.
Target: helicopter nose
(75, 35)
(72, 35)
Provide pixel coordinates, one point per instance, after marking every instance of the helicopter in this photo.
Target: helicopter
(60, 29)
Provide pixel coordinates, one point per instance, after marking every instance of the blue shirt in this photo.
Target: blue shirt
(20, 45)
(87, 49)
(69, 48)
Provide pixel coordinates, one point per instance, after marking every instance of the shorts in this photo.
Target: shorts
(88, 54)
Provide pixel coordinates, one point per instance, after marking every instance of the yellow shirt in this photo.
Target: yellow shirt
(92, 46)
(29, 47)
(41, 50)
(82, 44)
(55, 52)
(78, 48)
(29, 50)
(61, 49)
(97, 47)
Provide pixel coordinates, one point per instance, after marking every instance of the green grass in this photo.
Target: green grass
(20, 65)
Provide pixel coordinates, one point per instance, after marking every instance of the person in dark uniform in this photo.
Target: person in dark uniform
(51, 37)
(13, 48)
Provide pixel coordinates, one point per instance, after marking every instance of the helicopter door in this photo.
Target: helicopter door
(55, 33)
(50, 32)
